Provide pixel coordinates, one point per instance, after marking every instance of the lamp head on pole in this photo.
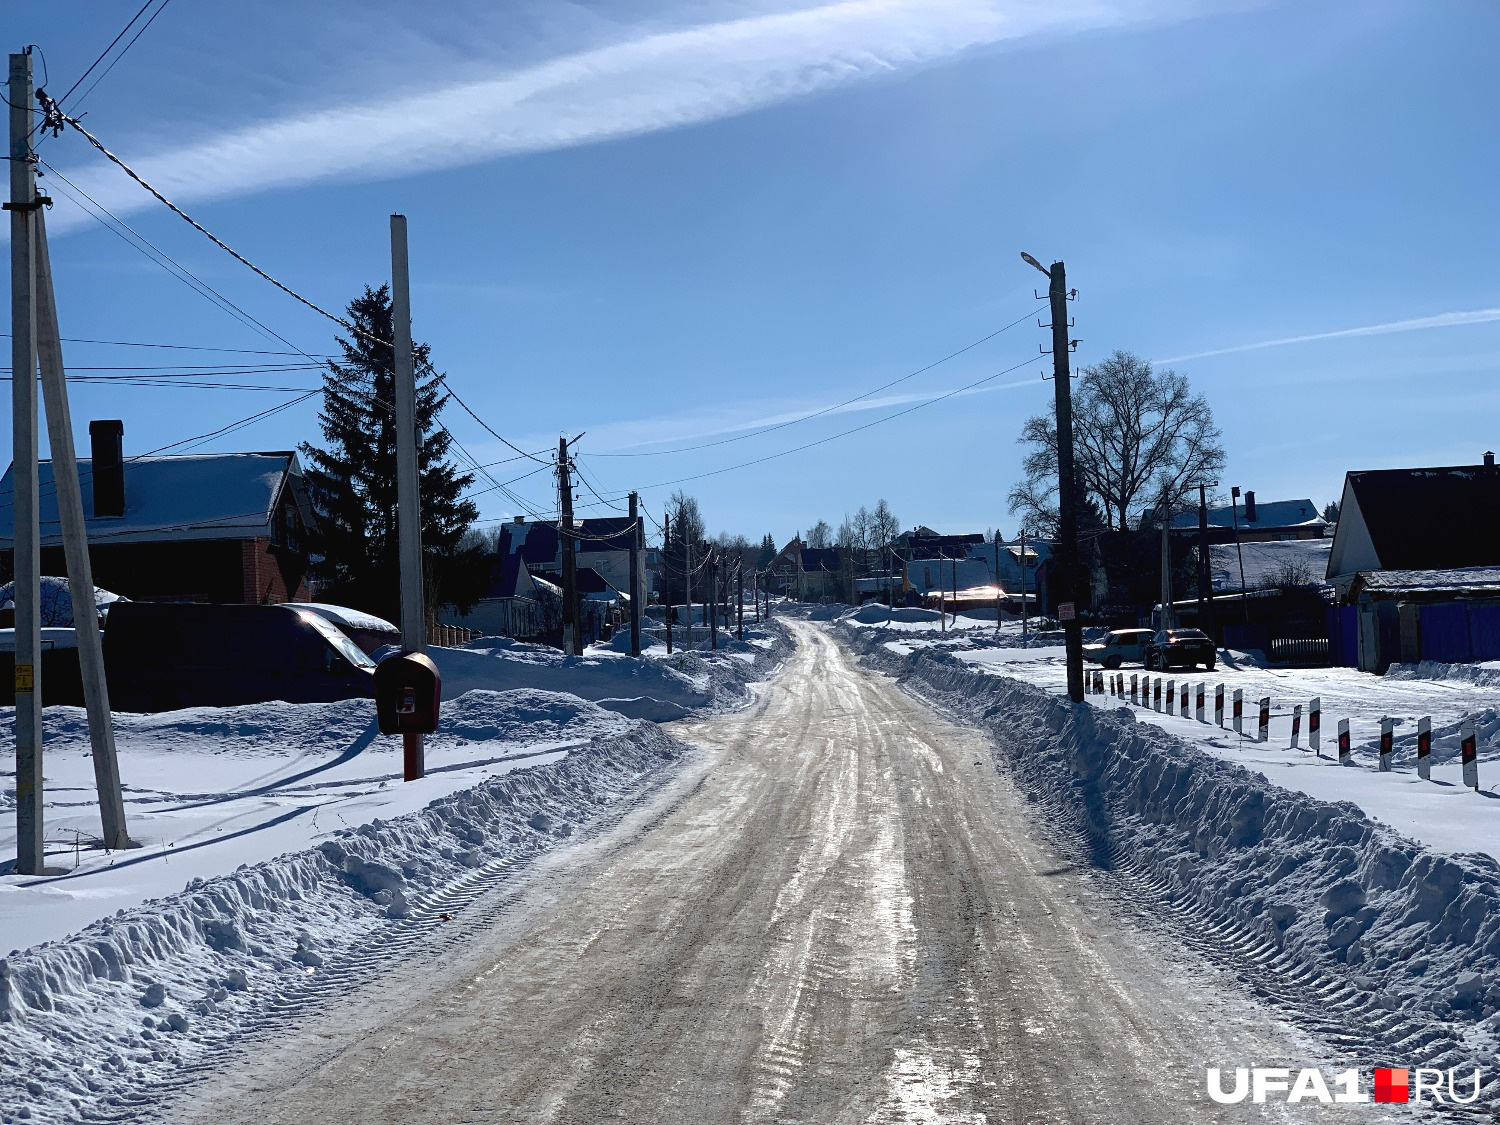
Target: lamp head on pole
(1030, 261)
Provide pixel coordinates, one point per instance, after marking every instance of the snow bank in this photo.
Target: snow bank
(1334, 903)
(659, 688)
(103, 1019)
(1486, 674)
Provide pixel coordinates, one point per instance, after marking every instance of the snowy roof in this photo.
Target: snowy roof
(200, 496)
(346, 618)
(1267, 563)
(57, 600)
(931, 575)
(822, 558)
(1459, 579)
(537, 543)
(1268, 513)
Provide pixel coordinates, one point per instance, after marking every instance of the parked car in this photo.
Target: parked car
(369, 632)
(1118, 647)
(1182, 648)
(162, 656)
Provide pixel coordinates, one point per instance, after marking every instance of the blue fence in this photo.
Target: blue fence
(1460, 633)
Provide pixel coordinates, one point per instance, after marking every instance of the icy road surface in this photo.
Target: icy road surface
(840, 913)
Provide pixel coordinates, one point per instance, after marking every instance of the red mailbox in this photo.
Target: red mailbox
(408, 690)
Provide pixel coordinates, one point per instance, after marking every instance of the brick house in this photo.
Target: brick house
(214, 527)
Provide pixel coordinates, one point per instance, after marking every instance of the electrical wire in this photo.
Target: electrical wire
(123, 51)
(178, 347)
(826, 409)
(123, 32)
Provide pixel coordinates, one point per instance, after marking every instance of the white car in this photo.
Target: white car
(1120, 646)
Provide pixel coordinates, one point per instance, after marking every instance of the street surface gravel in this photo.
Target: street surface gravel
(839, 912)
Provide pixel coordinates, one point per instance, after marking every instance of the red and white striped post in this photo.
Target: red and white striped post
(1199, 698)
(1344, 742)
(1424, 748)
(1264, 734)
(1156, 693)
(1239, 711)
(1387, 741)
(1135, 695)
(1184, 700)
(1219, 705)
(1171, 697)
(1296, 725)
(1469, 754)
(1315, 725)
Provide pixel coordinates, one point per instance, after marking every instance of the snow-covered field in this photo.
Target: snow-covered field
(281, 849)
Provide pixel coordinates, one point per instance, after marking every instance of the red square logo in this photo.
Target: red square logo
(1390, 1085)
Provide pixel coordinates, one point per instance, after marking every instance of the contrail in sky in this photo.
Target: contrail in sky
(1415, 324)
(655, 81)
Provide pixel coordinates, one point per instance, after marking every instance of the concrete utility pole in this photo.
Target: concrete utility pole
(408, 476)
(666, 563)
(30, 852)
(636, 534)
(1168, 618)
(999, 616)
(1205, 566)
(687, 582)
(1067, 484)
(711, 606)
(76, 549)
(1025, 613)
(572, 637)
(739, 604)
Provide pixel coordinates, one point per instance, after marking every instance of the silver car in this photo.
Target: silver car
(1119, 647)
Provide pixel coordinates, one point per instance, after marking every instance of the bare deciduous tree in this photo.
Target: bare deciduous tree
(1140, 436)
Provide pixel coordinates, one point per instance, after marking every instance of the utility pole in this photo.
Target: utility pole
(687, 583)
(712, 604)
(1025, 613)
(1205, 569)
(999, 616)
(1067, 484)
(572, 638)
(408, 476)
(1168, 618)
(76, 549)
(30, 851)
(1234, 513)
(666, 563)
(636, 535)
(755, 591)
(739, 604)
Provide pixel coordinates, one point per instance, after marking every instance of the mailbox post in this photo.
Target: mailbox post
(408, 691)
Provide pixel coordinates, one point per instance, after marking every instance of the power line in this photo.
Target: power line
(843, 433)
(826, 409)
(179, 347)
(123, 51)
(123, 32)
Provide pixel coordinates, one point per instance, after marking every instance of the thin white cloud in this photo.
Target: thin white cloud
(652, 82)
(1414, 324)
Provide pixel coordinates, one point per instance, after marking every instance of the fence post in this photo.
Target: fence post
(1343, 742)
(1424, 748)
(1315, 725)
(1264, 734)
(1469, 754)
(1296, 725)
(1219, 705)
(1239, 711)
(1387, 738)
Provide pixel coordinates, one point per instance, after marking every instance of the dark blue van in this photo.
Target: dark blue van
(167, 655)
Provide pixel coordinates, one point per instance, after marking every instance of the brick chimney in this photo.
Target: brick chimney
(1489, 458)
(106, 445)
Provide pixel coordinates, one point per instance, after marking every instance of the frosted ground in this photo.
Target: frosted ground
(282, 854)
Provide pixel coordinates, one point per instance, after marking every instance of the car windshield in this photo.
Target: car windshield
(341, 643)
(1188, 635)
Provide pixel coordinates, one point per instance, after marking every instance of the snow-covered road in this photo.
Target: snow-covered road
(841, 912)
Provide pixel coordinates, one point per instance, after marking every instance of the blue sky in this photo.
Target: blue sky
(670, 223)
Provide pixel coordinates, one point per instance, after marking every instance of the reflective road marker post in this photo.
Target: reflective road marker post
(1424, 748)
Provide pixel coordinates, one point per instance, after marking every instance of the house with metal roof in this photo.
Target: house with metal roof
(205, 527)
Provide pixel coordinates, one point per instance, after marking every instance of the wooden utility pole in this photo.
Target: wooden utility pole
(636, 535)
(1205, 566)
(30, 851)
(1025, 613)
(76, 549)
(999, 616)
(572, 636)
(687, 582)
(408, 476)
(739, 604)
(1069, 575)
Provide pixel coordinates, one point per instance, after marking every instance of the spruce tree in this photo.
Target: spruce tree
(352, 479)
